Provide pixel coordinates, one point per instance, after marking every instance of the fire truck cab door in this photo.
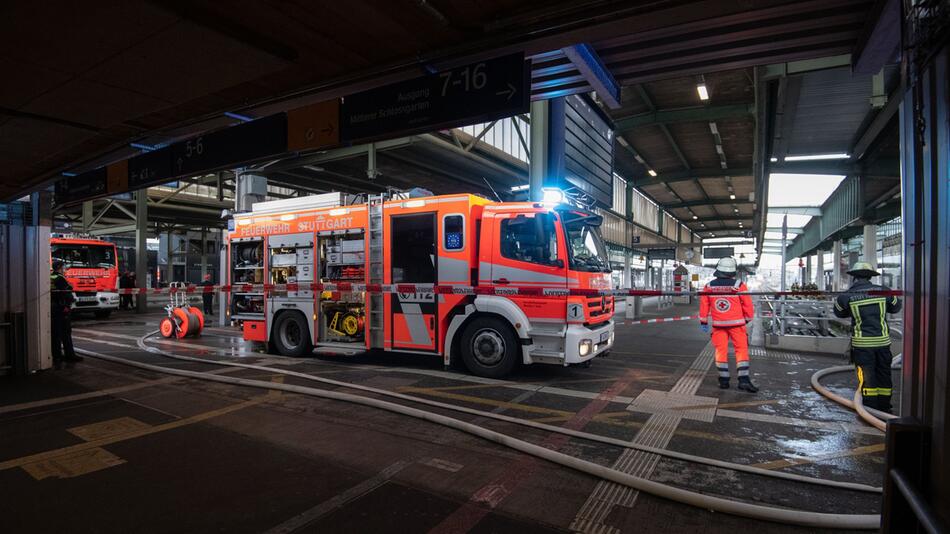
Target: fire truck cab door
(529, 255)
(414, 261)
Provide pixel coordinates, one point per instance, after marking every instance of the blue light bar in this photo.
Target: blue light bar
(238, 116)
(141, 146)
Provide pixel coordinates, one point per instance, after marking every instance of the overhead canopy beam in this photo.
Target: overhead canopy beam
(841, 167)
(813, 211)
(806, 65)
(693, 114)
(690, 174)
(588, 63)
(334, 155)
(881, 38)
(877, 125)
(721, 218)
(709, 202)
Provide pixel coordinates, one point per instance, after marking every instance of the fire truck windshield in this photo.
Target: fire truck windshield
(584, 243)
(88, 256)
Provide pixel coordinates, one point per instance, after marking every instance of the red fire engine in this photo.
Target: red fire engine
(490, 283)
(91, 268)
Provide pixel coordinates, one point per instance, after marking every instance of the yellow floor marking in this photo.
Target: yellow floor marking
(857, 451)
(108, 429)
(90, 445)
(488, 402)
(74, 464)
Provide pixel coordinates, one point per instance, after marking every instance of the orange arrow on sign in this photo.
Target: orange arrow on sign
(314, 126)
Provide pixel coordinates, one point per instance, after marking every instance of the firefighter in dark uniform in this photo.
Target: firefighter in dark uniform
(870, 335)
(61, 298)
(207, 298)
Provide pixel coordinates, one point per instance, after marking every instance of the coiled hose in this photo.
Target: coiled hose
(765, 513)
(874, 417)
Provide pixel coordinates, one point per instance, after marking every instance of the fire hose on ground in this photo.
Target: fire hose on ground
(874, 417)
(762, 512)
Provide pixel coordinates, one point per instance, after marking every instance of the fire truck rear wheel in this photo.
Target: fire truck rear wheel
(489, 347)
(291, 336)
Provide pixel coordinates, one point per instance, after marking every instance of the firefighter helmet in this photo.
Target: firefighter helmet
(727, 265)
(863, 270)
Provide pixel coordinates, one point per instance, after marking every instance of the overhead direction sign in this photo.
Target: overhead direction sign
(718, 252)
(242, 143)
(473, 93)
(84, 186)
(314, 126)
(661, 253)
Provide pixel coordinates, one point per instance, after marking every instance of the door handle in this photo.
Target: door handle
(431, 322)
(500, 281)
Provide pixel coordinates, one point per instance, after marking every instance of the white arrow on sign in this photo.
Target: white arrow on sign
(510, 91)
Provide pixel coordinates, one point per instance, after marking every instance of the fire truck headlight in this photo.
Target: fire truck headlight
(583, 348)
(553, 196)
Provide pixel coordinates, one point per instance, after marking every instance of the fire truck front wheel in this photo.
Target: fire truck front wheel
(291, 336)
(489, 347)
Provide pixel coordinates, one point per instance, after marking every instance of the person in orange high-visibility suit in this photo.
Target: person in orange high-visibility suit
(727, 314)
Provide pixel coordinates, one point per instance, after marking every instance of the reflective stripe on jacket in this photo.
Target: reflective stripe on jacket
(726, 309)
(868, 314)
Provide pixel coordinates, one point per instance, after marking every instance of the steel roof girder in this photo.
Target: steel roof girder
(691, 114)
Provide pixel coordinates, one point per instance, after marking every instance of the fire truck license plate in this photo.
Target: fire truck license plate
(604, 336)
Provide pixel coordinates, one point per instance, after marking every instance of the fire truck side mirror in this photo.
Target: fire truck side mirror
(559, 263)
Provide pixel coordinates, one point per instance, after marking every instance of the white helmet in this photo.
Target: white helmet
(727, 265)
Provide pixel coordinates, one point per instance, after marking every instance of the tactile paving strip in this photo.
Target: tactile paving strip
(666, 402)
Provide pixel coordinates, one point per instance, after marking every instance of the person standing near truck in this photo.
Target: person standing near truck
(61, 299)
(728, 313)
(207, 297)
(870, 335)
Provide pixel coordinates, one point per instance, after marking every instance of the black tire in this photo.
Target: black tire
(490, 348)
(290, 336)
(103, 314)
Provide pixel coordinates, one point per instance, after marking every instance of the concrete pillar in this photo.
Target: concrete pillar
(141, 248)
(820, 270)
(36, 263)
(836, 266)
(869, 246)
(627, 272)
(538, 161)
(87, 216)
(808, 270)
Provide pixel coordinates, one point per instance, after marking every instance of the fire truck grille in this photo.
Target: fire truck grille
(598, 306)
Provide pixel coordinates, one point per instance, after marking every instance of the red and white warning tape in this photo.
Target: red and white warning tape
(442, 289)
(664, 319)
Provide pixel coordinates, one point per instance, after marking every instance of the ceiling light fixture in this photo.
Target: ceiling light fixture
(732, 197)
(651, 172)
(703, 92)
(812, 157)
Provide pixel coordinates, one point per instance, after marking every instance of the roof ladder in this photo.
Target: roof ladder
(376, 321)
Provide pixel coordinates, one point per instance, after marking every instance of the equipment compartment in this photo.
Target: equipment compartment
(341, 258)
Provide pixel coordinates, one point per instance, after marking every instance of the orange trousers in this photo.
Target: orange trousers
(720, 340)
